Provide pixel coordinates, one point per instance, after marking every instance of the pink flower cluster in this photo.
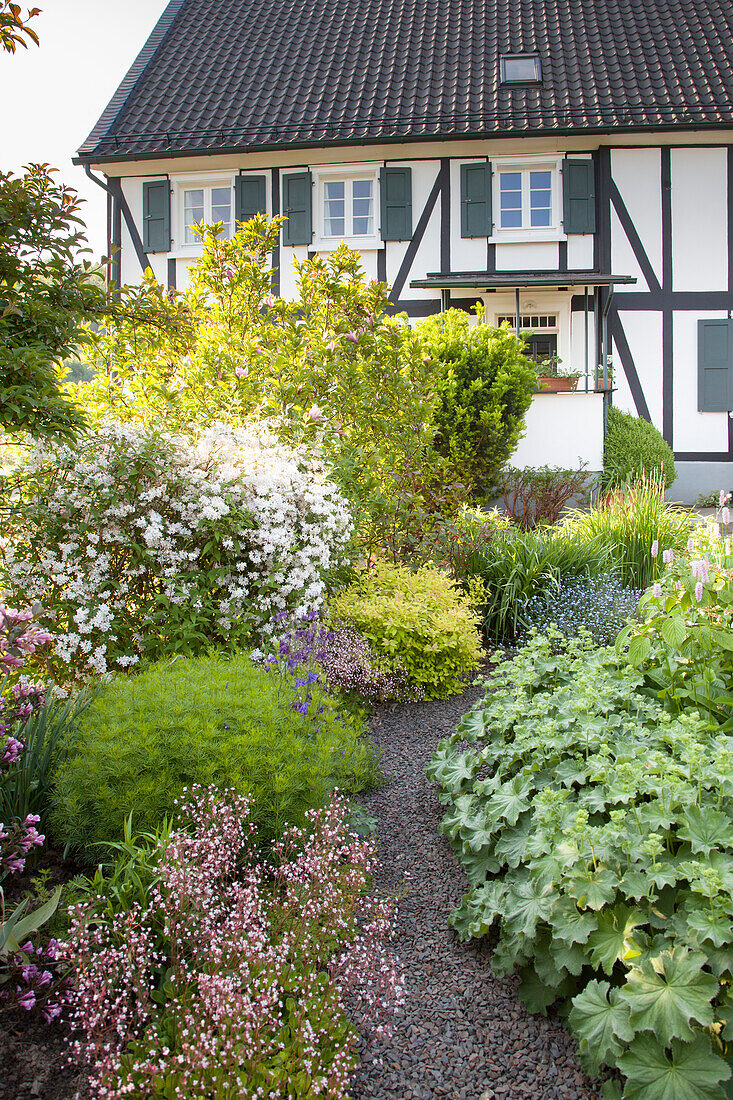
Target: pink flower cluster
(18, 639)
(16, 840)
(32, 981)
(240, 977)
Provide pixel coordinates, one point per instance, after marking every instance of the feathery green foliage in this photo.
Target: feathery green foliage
(208, 720)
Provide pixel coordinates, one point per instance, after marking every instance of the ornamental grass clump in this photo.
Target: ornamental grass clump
(629, 520)
(145, 545)
(232, 977)
(517, 567)
(420, 622)
(596, 832)
(217, 720)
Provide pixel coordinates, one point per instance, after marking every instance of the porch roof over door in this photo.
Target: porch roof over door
(513, 280)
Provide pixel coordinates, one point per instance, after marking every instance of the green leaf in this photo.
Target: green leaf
(613, 939)
(639, 649)
(513, 842)
(567, 956)
(594, 889)
(509, 800)
(674, 631)
(527, 903)
(706, 829)
(691, 1071)
(33, 921)
(571, 924)
(534, 993)
(709, 926)
(666, 994)
(601, 1022)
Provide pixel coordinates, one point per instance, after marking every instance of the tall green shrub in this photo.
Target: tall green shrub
(484, 387)
(634, 447)
(208, 720)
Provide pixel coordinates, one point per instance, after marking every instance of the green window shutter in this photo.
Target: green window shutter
(250, 197)
(579, 196)
(156, 216)
(476, 200)
(298, 229)
(395, 192)
(715, 366)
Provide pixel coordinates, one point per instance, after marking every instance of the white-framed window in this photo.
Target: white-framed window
(347, 198)
(527, 199)
(540, 331)
(205, 202)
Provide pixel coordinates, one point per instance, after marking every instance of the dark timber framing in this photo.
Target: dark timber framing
(664, 299)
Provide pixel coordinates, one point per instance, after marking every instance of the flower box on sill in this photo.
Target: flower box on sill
(557, 383)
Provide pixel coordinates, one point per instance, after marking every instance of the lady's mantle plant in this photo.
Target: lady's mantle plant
(145, 544)
(596, 831)
(233, 978)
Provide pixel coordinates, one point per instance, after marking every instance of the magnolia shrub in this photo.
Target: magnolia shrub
(143, 544)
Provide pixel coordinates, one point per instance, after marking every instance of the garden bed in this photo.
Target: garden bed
(462, 1033)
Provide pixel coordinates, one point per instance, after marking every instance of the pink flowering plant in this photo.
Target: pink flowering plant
(683, 641)
(29, 976)
(235, 977)
(147, 545)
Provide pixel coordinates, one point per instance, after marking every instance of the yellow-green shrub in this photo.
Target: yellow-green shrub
(213, 720)
(419, 620)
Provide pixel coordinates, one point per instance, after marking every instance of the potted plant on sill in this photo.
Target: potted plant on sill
(551, 378)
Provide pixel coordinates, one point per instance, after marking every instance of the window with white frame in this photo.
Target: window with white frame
(207, 203)
(347, 206)
(527, 199)
(540, 331)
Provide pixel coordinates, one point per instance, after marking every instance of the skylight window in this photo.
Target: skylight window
(521, 68)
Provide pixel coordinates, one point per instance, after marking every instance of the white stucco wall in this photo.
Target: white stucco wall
(562, 429)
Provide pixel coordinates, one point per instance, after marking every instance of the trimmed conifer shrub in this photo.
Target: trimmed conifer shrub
(633, 448)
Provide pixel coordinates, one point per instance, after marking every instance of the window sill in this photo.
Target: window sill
(358, 244)
(527, 236)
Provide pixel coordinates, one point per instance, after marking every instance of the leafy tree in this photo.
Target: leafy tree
(14, 27)
(484, 388)
(329, 367)
(47, 292)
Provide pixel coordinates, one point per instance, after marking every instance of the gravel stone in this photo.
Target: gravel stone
(462, 1033)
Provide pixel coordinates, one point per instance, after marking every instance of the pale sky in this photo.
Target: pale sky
(52, 94)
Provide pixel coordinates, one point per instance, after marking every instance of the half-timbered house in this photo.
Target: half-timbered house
(568, 164)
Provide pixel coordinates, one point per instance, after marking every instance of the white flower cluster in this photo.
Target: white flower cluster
(143, 543)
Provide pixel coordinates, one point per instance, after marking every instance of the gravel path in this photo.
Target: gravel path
(462, 1034)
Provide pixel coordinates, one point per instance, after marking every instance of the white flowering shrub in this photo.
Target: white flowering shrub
(143, 544)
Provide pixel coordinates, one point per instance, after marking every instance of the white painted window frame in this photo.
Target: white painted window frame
(556, 303)
(189, 182)
(348, 173)
(527, 164)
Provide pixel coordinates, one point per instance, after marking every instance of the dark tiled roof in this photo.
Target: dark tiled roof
(228, 74)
